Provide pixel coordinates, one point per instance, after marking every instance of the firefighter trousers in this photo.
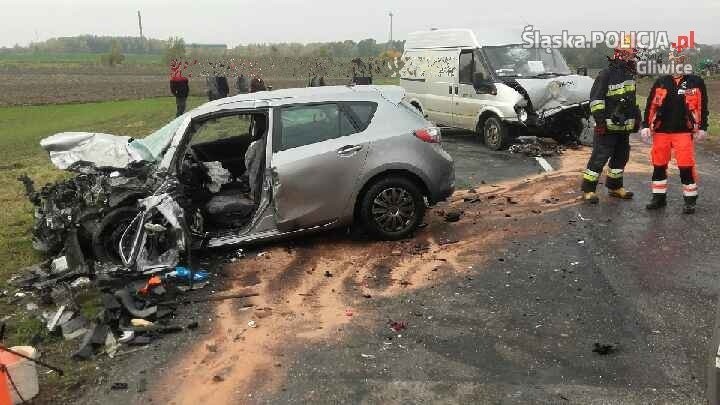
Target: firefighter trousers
(612, 147)
(663, 147)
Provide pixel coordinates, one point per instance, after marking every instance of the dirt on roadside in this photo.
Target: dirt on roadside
(308, 292)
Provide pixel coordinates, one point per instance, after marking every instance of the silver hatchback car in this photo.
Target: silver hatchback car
(259, 166)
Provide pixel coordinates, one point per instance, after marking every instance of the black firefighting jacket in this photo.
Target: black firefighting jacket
(612, 99)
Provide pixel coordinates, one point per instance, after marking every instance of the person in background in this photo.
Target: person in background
(242, 84)
(676, 115)
(213, 93)
(179, 86)
(222, 86)
(257, 84)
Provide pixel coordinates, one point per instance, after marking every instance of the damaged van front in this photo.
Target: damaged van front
(500, 92)
(547, 98)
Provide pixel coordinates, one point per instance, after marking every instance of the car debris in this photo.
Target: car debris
(452, 216)
(397, 326)
(537, 147)
(604, 349)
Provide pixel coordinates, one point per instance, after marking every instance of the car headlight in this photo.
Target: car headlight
(522, 114)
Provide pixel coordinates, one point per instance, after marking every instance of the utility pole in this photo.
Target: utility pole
(391, 16)
(140, 23)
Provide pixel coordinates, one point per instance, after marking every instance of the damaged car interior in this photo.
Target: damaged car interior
(222, 168)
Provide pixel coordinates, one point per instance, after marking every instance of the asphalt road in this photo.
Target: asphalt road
(534, 282)
(522, 330)
(474, 163)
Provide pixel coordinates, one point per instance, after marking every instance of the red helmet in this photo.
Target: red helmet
(625, 50)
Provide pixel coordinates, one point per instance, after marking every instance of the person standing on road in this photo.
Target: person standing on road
(616, 114)
(676, 114)
(179, 86)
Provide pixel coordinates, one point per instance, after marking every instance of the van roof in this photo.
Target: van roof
(447, 38)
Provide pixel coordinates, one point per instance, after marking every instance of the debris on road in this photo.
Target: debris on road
(397, 326)
(537, 147)
(604, 349)
(452, 216)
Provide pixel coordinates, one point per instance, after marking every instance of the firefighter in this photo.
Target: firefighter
(616, 114)
(676, 115)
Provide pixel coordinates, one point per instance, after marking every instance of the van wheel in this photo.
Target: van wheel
(392, 208)
(495, 133)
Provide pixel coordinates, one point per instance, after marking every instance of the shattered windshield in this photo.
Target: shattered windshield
(517, 61)
(151, 147)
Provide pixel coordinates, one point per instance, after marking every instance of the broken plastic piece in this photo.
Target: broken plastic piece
(140, 322)
(184, 274)
(126, 336)
(129, 304)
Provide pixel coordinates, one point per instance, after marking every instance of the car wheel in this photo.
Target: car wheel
(106, 238)
(392, 208)
(495, 133)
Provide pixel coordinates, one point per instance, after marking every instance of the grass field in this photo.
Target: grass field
(73, 58)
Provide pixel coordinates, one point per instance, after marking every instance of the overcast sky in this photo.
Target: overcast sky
(242, 21)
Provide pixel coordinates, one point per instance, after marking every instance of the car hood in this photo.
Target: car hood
(554, 93)
(98, 149)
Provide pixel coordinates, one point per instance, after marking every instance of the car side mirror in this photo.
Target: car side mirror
(582, 71)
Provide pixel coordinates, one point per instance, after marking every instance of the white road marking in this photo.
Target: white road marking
(544, 164)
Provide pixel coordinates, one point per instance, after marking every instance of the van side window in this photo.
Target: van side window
(466, 67)
(479, 66)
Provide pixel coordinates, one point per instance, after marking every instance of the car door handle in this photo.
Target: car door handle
(348, 150)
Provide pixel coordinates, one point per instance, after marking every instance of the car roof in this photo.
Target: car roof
(277, 98)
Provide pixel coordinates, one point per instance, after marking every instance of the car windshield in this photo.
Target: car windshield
(152, 147)
(518, 61)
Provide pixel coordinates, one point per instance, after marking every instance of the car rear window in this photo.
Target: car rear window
(362, 113)
(308, 124)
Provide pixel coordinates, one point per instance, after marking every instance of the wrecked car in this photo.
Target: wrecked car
(242, 169)
(500, 92)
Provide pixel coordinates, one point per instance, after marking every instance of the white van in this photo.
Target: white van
(500, 92)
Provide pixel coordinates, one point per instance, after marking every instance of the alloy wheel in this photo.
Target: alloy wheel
(393, 210)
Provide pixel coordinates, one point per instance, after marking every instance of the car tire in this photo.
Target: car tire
(495, 133)
(403, 205)
(109, 232)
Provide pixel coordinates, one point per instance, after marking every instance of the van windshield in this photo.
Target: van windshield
(518, 61)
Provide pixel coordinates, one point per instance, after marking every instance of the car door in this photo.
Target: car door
(319, 153)
(469, 101)
(441, 67)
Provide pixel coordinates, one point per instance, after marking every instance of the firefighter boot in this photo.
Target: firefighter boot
(621, 193)
(689, 207)
(591, 198)
(658, 201)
